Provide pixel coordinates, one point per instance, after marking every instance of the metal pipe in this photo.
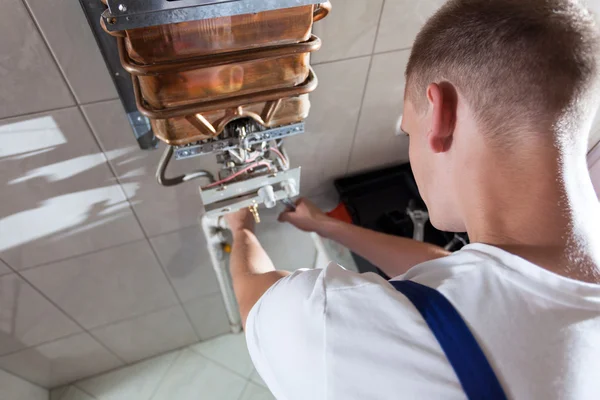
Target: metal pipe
(204, 106)
(211, 227)
(162, 170)
(214, 60)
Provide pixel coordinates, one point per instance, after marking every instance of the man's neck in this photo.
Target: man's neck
(547, 213)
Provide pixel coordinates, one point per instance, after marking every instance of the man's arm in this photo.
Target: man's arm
(252, 270)
(393, 255)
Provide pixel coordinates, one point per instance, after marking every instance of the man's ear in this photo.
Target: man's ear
(443, 100)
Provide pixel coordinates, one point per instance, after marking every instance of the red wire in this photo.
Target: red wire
(280, 155)
(229, 178)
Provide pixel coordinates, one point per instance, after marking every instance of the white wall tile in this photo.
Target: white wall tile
(256, 392)
(324, 149)
(376, 143)
(107, 286)
(193, 377)
(348, 31)
(136, 382)
(27, 318)
(186, 261)
(328, 200)
(30, 79)
(4, 269)
(230, 351)
(60, 198)
(148, 335)
(401, 22)
(57, 392)
(289, 248)
(208, 316)
(15, 388)
(70, 38)
(65, 360)
(160, 209)
(73, 393)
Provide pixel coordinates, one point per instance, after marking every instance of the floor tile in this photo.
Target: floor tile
(108, 286)
(14, 388)
(401, 22)
(62, 199)
(208, 316)
(256, 392)
(70, 37)
(60, 362)
(230, 351)
(185, 259)
(255, 377)
(330, 126)
(194, 377)
(31, 82)
(27, 318)
(136, 382)
(376, 143)
(160, 209)
(149, 335)
(348, 31)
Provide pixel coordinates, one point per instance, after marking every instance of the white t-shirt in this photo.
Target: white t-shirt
(335, 334)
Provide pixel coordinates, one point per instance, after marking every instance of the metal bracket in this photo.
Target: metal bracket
(122, 80)
(239, 195)
(131, 14)
(142, 130)
(212, 146)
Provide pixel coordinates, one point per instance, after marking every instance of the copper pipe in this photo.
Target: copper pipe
(269, 95)
(214, 60)
(322, 11)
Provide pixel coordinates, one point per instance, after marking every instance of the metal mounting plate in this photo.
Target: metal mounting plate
(239, 195)
(131, 14)
(226, 144)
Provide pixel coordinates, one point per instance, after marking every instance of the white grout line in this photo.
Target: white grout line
(167, 370)
(49, 48)
(83, 329)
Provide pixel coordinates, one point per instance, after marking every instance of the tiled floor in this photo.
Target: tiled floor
(219, 369)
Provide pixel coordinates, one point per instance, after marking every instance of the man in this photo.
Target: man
(500, 98)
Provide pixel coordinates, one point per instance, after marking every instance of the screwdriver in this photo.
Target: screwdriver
(289, 204)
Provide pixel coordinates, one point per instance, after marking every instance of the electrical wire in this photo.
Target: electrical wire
(231, 177)
(283, 159)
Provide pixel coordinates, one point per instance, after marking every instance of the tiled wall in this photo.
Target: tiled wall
(15, 388)
(100, 266)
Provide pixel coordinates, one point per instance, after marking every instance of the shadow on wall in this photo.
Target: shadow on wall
(49, 195)
(60, 199)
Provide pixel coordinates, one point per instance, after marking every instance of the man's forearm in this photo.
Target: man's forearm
(252, 271)
(393, 255)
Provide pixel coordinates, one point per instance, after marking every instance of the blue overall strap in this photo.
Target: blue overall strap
(460, 346)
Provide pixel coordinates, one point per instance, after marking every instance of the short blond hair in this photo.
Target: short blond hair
(521, 64)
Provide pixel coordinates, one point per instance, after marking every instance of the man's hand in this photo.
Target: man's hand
(240, 220)
(307, 217)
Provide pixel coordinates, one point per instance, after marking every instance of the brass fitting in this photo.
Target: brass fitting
(254, 210)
